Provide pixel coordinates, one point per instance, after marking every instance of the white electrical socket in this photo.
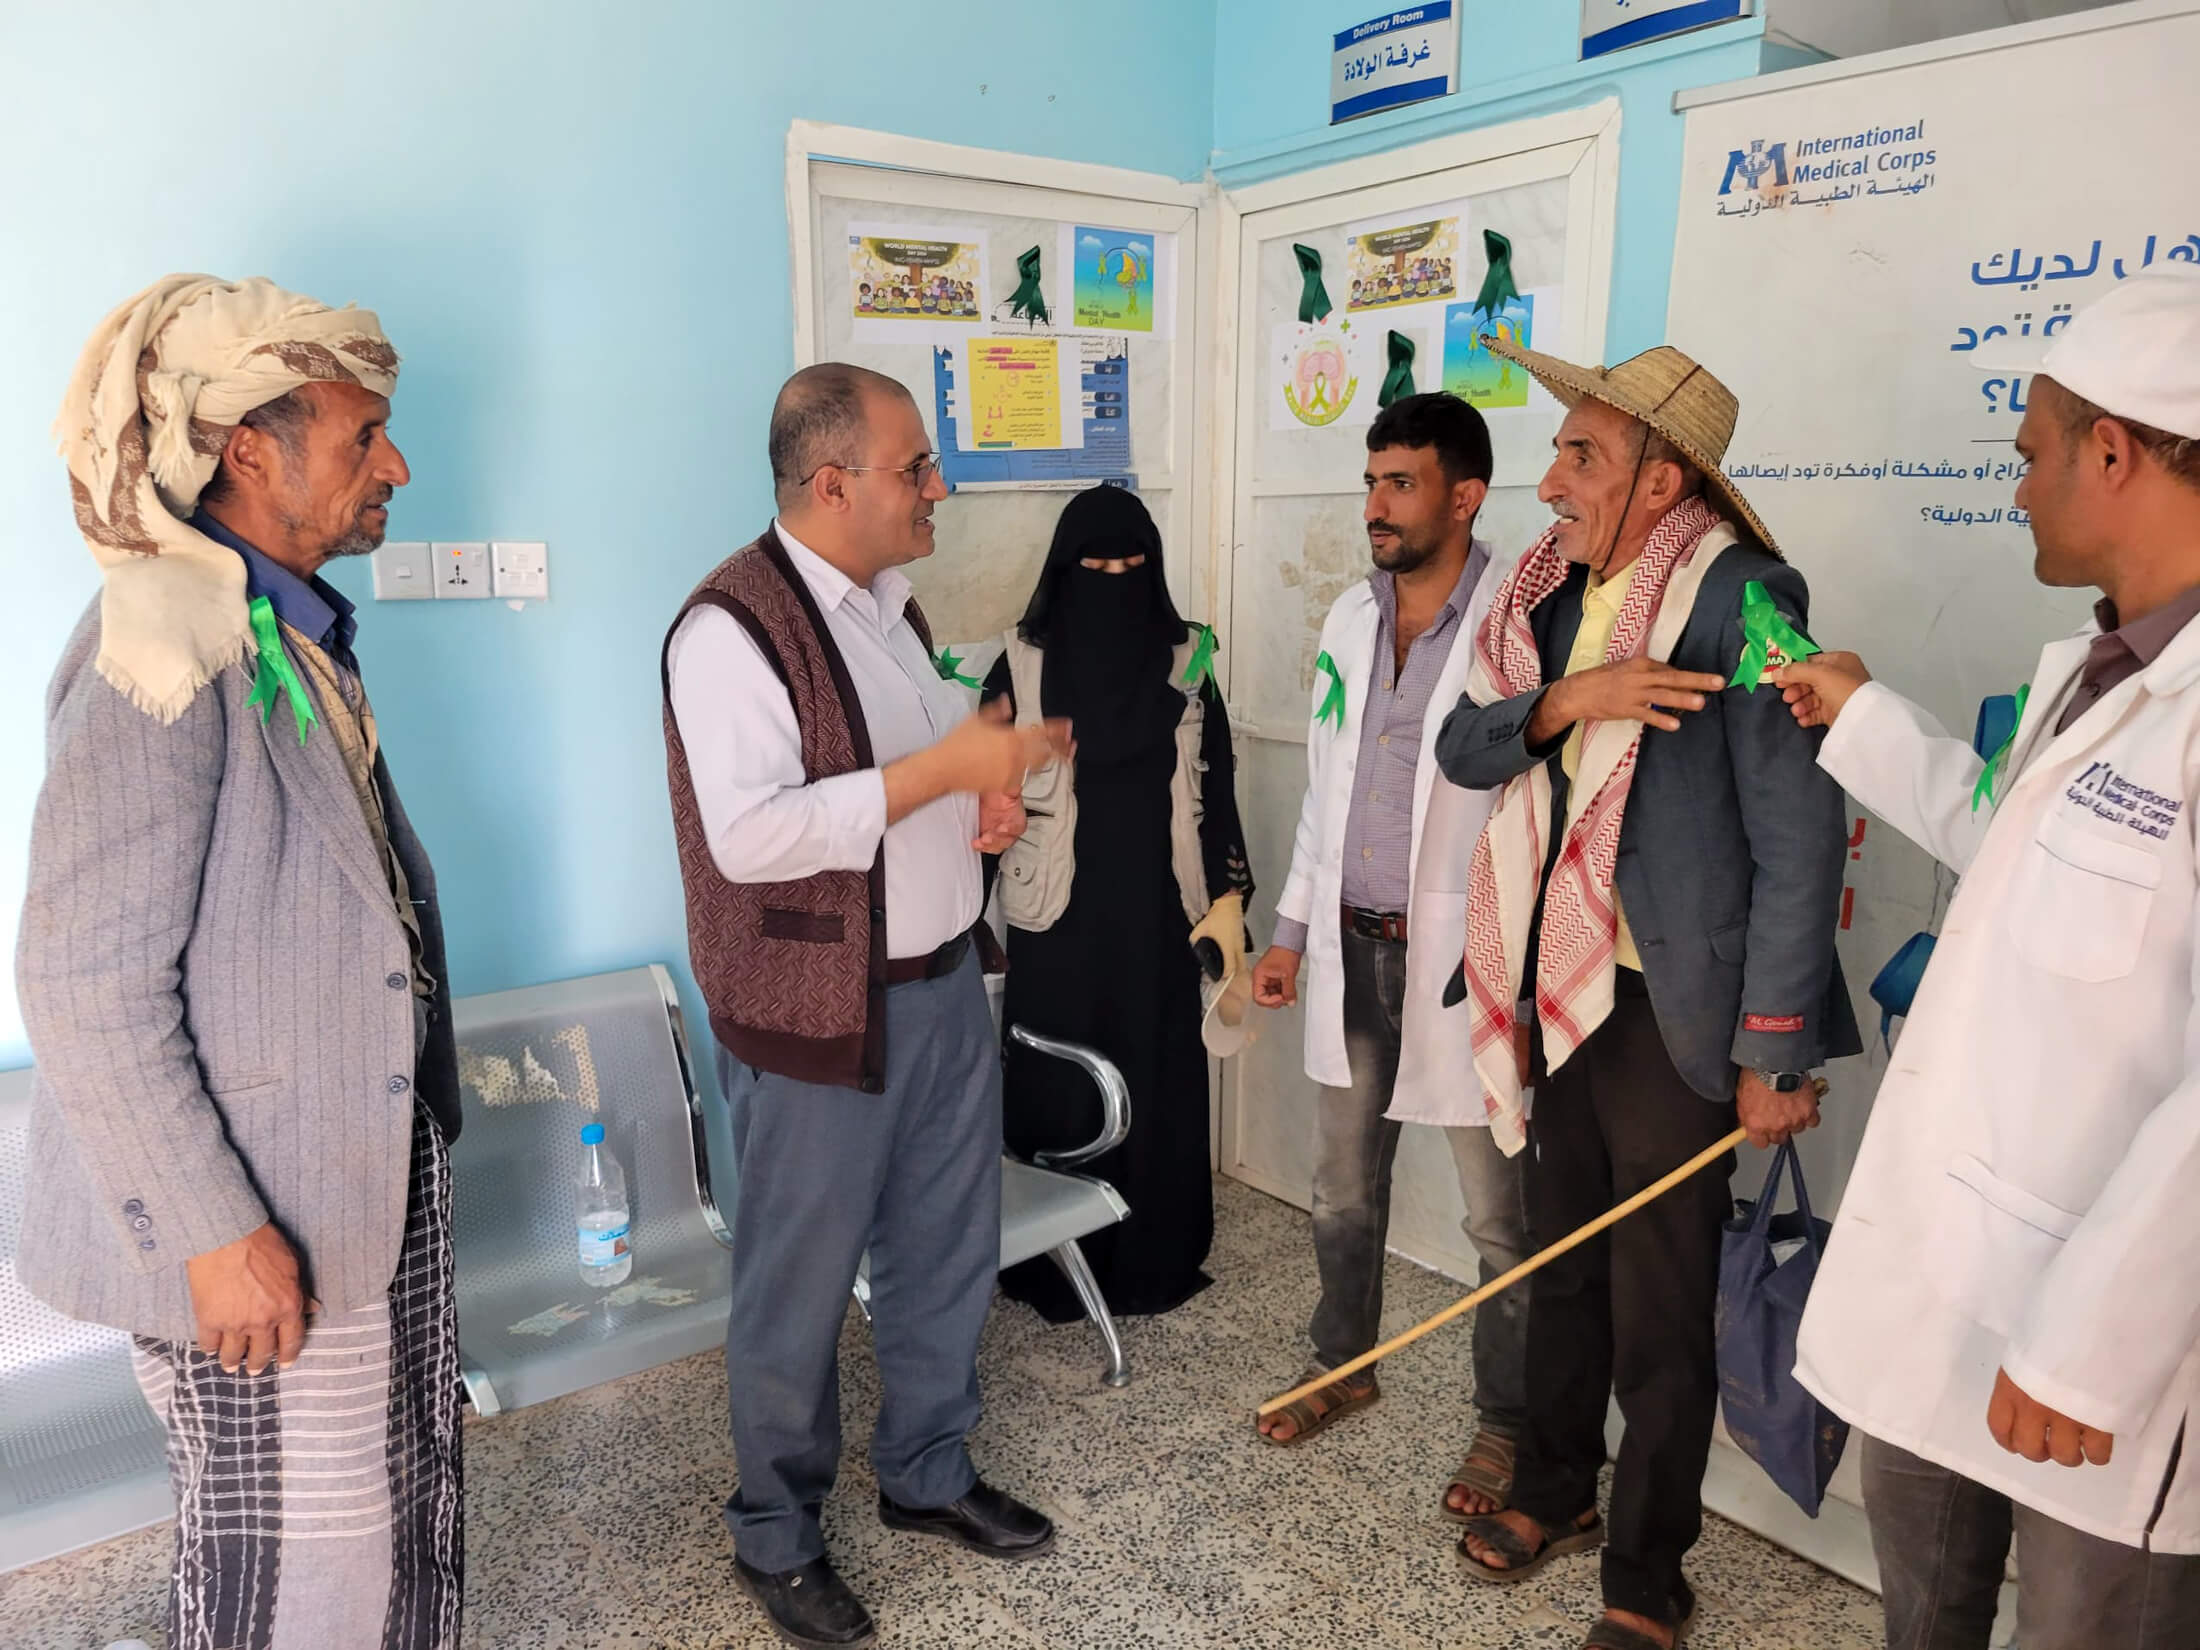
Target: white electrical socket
(520, 571)
(404, 572)
(461, 571)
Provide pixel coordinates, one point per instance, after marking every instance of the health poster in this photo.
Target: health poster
(1407, 263)
(1013, 394)
(903, 277)
(1482, 379)
(1114, 287)
(1322, 373)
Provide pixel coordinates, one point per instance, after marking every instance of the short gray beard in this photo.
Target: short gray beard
(362, 540)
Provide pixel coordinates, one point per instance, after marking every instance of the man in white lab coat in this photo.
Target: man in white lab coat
(2009, 1310)
(1376, 904)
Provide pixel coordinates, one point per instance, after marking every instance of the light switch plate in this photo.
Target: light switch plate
(520, 571)
(461, 571)
(404, 572)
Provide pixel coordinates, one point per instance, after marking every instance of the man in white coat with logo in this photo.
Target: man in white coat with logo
(2009, 1311)
(1376, 904)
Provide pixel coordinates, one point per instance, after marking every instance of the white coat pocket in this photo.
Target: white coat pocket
(1991, 1242)
(2078, 902)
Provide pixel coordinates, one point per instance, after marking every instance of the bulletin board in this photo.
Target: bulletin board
(1045, 333)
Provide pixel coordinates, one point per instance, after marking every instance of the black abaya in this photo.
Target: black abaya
(1116, 971)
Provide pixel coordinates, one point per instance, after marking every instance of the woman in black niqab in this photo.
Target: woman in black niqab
(1115, 971)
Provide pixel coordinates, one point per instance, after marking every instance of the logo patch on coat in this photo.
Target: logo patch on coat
(2106, 794)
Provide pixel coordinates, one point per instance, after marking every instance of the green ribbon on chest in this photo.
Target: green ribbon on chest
(1201, 666)
(1990, 775)
(1332, 707)
(1769, 640)
(277, 676)
(949, 665)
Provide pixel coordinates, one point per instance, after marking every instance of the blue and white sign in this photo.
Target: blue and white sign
(1610, 25)
(1400, 57)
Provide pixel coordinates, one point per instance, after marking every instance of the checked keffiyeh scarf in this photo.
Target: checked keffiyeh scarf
(1577, 955)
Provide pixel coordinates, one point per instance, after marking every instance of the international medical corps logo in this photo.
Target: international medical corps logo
(1751, 168)
(1886, 162)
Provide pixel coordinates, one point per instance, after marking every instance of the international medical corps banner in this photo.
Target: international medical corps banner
(1843, 248)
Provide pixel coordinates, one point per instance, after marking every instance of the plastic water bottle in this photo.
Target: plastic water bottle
(599, 1199)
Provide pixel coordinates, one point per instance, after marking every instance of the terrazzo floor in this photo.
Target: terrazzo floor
(594, 1520)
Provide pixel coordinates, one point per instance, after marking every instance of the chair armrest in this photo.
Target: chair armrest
(1115, 1098)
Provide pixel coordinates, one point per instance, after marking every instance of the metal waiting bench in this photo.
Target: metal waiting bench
(82, 1458)
(534, 1065)
(1046, 1207)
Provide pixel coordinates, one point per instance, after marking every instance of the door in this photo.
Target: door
(1402, 254)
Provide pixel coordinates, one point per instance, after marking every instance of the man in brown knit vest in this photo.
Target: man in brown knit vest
(831, 795)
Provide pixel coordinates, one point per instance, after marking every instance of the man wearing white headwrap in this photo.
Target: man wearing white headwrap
(231, 968)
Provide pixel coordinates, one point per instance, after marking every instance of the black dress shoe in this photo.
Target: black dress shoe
(984, 1520)
(809, 1605)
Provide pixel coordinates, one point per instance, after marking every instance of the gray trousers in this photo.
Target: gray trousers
(1943, 1540)
(1354, 1151)
(822, 1174)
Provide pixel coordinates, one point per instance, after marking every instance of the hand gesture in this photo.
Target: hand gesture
(1629, 690)
(1276, 977)
(248, 1301)
(989, 753)
(1817, 687)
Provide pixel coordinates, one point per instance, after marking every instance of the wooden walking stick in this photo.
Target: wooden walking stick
(1702, 1160)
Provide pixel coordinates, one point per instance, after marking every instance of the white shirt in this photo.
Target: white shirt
(764, 821)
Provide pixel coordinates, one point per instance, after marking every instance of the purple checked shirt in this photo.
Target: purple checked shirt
(1378, 830)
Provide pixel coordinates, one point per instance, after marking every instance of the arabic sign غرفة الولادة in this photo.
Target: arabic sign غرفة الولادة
(1399, 57)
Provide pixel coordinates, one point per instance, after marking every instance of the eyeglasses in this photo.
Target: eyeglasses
(917, 474)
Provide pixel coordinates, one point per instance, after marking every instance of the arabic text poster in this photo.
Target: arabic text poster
(1324, 372)
(1012, 394)
(1114, 287)
(1391, 265)
(1096, 382)
(1487, 381)
(904, 277)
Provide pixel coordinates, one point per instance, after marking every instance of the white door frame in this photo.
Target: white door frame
(1579, 144)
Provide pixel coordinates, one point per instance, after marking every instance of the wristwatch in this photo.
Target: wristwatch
(1783, 1082)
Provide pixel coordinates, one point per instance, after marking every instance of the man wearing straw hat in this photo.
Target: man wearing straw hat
(1651, 911)
(232, 971)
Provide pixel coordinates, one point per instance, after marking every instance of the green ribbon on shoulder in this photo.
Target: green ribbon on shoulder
(1201, 666)
(1333, 701)
(1398, 382)
(949, 665)
(1770, 640)
(1990, 775)
(1313, 296)
(277, 675)
(1497, 286)
(1027, 302)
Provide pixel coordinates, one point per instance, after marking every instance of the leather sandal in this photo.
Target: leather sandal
(1522, 1560)
(1610, 1635)
(1342, 1398)
(1487, 1471)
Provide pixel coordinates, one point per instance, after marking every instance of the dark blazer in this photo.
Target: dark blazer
(1731, 852)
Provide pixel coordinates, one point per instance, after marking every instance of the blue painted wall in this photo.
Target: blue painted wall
(571, 219)
(1519, 58)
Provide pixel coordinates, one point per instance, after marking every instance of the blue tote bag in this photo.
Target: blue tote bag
(1785, 1430)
